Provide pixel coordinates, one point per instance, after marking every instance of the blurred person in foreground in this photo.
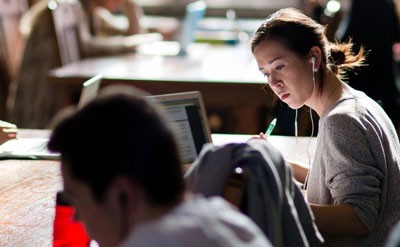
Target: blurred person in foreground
(352, 182)
(127, 184)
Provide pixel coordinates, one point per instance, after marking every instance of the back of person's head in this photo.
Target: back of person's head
(121, 133)
(299, 33)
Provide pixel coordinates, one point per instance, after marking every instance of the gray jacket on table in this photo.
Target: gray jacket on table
(271, 198)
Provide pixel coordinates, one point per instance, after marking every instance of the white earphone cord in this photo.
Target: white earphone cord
(311, 117)
(312, 127)
(295, 125)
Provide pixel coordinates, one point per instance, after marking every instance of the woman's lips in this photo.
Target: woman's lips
(284, 96)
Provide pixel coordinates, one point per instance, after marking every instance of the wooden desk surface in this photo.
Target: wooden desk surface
(227, 76)
(27, 199)
(28, 190)
(204, 63)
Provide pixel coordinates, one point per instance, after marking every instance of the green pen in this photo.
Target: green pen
(270, 128)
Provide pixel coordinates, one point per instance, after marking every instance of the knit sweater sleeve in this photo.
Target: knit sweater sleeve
(352, 174)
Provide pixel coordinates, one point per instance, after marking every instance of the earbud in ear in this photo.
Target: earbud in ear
(313, 64)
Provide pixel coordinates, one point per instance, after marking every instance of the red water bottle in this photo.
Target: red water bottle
(67, 232)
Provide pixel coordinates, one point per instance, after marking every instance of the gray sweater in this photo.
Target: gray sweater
(357, 162)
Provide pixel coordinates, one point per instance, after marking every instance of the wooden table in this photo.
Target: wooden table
(227, 76)
(28, 189)
(27, 199)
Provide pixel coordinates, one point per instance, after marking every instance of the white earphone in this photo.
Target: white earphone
(313, 64)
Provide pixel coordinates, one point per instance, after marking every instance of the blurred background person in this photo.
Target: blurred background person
(36, 100)
(373, 24)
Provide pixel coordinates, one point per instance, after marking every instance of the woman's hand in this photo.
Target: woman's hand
(108, 24)
(299, 172)
(260, 136)
(8, 131)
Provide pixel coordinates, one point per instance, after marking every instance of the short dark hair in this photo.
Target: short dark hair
(121, 133)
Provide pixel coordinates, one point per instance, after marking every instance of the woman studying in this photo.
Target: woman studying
(352, 183)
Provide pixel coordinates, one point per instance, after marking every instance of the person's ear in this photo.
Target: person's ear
(315, 58)
(122, 199)
(122, 193)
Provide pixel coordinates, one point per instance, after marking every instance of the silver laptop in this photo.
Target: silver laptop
(193, 15)
(36, 148)
(187, 115)
(89, 90)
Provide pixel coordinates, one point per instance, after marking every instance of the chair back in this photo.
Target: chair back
(11, 46)
(66, 17)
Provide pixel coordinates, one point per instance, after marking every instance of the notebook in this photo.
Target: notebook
(187, 115)
(36, 148)
(194, 13)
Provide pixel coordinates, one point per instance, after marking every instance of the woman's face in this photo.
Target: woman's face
(289, 76)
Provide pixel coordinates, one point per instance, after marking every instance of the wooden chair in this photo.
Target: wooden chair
(52, 42)
(11, 47)
(66, 17)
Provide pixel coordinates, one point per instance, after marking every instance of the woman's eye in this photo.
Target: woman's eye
(266, 76)
(279, 67)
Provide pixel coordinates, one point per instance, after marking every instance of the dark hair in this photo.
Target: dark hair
(121, 133)
(299, 33)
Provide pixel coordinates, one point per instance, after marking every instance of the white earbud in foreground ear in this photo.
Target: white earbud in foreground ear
(313, 64)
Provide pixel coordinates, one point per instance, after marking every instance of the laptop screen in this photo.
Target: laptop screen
(89, 90)
(187, 116)
(193, 15)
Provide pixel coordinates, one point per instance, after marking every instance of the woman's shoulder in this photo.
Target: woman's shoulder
(353, 104)
(343, 111)
(346, 119)
(356, 117)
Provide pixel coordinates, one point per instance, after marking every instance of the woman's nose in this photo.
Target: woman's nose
(274, 81)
